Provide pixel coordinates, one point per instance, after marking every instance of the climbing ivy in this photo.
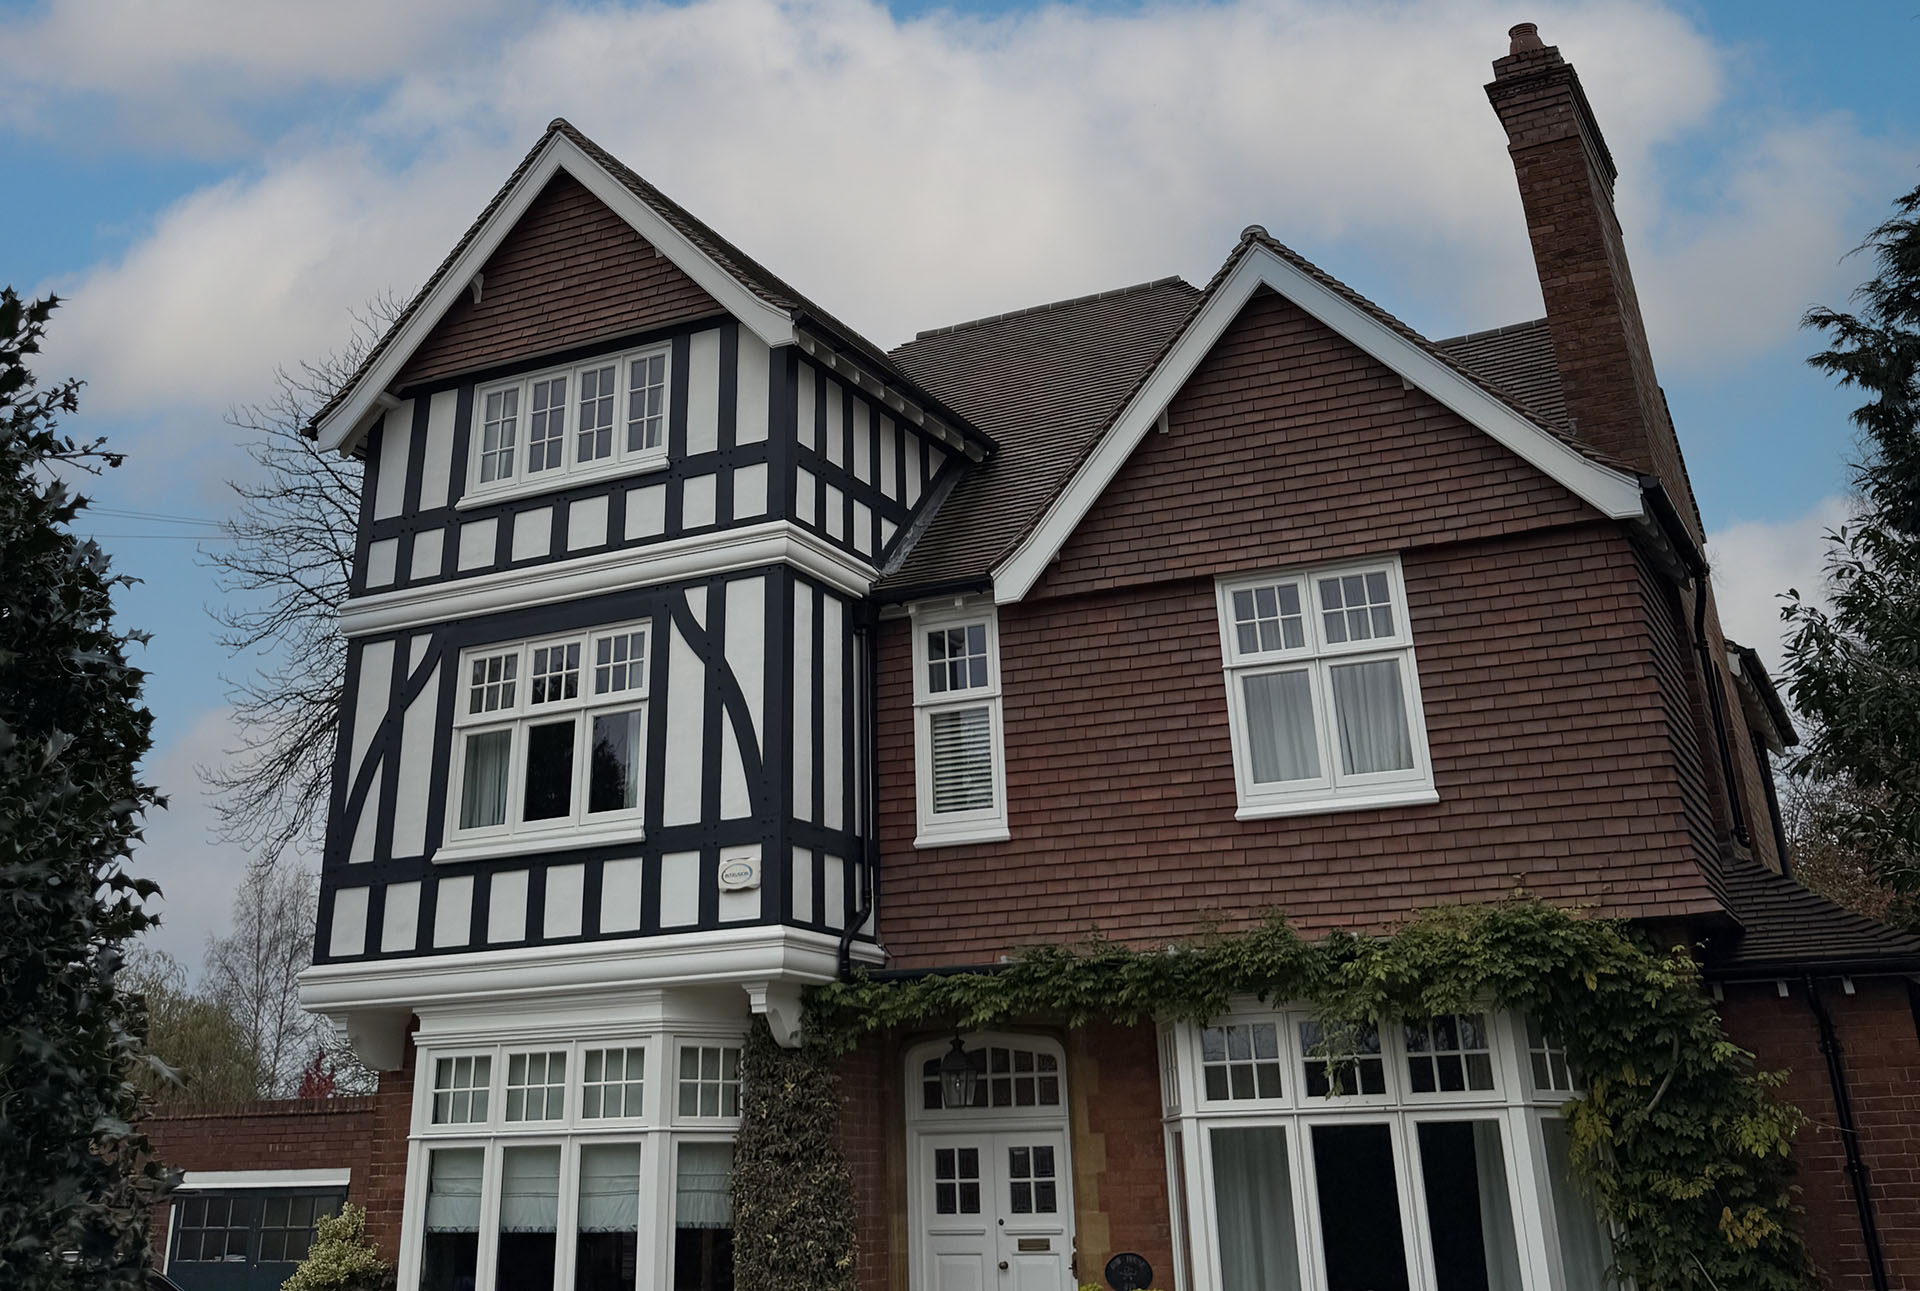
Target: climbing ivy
(1678, 1139)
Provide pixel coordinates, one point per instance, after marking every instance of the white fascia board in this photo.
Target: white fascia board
(1613, 493)
(340, 429)
(223, 1180)
(620, 569)
(716, 957)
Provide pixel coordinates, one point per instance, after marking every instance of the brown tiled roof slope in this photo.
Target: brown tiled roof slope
(1786, 927)
(1519, 359)
(1044, 383)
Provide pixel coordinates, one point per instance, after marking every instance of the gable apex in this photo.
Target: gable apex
(1258, 261)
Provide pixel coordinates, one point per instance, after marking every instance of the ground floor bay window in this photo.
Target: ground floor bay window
(595, 1162)
(1426, 1156)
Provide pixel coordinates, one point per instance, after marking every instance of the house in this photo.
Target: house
(701, 651)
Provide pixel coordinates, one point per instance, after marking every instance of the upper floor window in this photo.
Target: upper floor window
(550, 734)
(602, 417)
(1322, 692)
(958, 739)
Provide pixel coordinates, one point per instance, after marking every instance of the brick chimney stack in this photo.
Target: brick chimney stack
(1566, 180)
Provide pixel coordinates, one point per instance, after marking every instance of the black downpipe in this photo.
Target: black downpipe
(865, 631)
(1849, 1136)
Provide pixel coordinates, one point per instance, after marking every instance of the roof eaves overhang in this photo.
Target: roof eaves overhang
(339, 429)
(892, 387)
(1252, 265)
(1774, 970)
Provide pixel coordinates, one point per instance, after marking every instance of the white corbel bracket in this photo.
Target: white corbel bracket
(377, 1036)
(779, 1003)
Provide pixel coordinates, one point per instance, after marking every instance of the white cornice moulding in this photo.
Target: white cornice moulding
(207, 1180)
(622, 569)
(1612, 493)
(338, 431)
(716, 957)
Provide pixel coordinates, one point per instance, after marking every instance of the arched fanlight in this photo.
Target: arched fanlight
(959, 1078)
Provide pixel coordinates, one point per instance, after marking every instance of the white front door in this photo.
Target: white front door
(995, 1210)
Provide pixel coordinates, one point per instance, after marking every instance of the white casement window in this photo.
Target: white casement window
(1322, 693)
(959, 744)
(607, 416)
(549, 735)
(1421, 1154)
(536, 1167)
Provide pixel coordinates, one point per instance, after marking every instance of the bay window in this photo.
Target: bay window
(1323, 696)
(607, 416)
(959, 743)
(549, 734)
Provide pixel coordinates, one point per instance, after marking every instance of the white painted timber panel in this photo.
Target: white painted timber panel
(647, 511)
(804, 601)
(507, 907)
(833, 884)
(803, 504)
(750, 491)
(862, 442)
(836, 518)
(566, 891)
(428, 545)
(804, 405)
(889, 438)
(703, 392)
(453, 912)
(696, 502)
(479, 539)
(416, 770)
(400, 922)
(746, 645)
(396, 437)
(832, 733)
(836, 449)
(679, 889)
(587, 523)
(800, 885)
(532, 533)
(382, 556)
(620, 896)
(750, 402)
(436, 463)
(686, 699)
(349, 936)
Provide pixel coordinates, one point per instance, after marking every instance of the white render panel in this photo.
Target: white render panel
(697, 605)
(436, 464)
(836, 447)
(685, 701)
(587, 523)
(803, 496)
(361, 848)
(750, 491)
(417, 650)
(862, 529)
(507, 907)
(889, 439)
(400, 922)
(382, 556)
(935, 460)
(532, 533)
(703, 392)
(750, 399)
(696, 502)
(679, 889)
(804, 600)
(832, 748)
(411, 802)
(647, 511)
(836, 519)
(862, 442)
(428, 545)
(735, 801)
(453, 911)
(800, 886)
(887, 529)
(479, 539)
(912, 446)
(833, 884)
(804, 404)
(390, 488)
(566, 891)
(620, 896)
(370, 704)
(743, 904)
(349, 936)
(746, 645)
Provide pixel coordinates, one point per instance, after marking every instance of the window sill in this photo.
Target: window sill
(1421, 796)
(985, 832)
(476, 498)
(487, 849)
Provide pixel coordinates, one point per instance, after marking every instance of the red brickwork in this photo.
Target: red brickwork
(571, 272)
(870, 1134)
(1119, 1156)
(1876, 1030)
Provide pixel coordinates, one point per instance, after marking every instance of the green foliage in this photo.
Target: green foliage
(792, 1194)
(1679, 1140)
(75, 1178)
(341, 1258)
(1854, 671)
(204, 1049)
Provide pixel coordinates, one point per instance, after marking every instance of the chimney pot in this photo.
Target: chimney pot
(1526, 37)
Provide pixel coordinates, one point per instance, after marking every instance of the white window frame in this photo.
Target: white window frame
(1189, 1118)
(579, 827)
(980, 825)
(571, 471)
(1332, 790)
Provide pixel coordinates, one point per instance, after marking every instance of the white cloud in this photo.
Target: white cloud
(1756, 562)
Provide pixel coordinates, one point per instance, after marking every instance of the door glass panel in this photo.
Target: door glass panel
(1253, 1210)
(529, 1218)
(1359, 1208)
(607, 1251)
(450, 1254)
(1469, 1208)
(1032, 1188)
(956, 1181)
(703, 1218)
(1585, 1252)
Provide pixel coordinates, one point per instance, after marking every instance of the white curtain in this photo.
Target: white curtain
(1372, 717)
(1253, 1210)
(610, 1188)
(530, 1190)
(702, 1187)
(483, 790)
(1585, 1253)
(453, 1190)
(1496, 1208)
(1280, 727)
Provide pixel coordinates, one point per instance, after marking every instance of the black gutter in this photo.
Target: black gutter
(1695, 562)
(865, 621)
(1849, 1136)
(976, 586)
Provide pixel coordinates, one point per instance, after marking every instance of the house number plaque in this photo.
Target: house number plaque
(1129, 1272)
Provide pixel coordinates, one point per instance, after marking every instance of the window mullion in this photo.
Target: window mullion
(1327, 723)
(487, 1257)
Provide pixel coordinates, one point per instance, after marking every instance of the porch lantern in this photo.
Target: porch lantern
(959, 1078)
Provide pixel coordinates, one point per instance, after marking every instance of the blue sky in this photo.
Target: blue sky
(215, 194)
